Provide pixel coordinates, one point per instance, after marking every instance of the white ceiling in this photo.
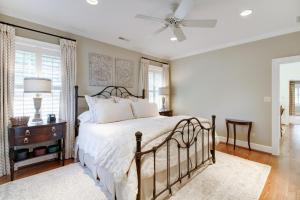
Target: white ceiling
(113, 18)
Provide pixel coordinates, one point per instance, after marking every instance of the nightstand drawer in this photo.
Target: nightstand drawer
(31, 135)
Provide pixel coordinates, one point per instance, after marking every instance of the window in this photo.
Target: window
(297, 94)
(36, 59)
(155, 78)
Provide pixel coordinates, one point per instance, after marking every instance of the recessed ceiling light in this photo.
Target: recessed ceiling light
(173, 39)
(246, 13)
(92, 2)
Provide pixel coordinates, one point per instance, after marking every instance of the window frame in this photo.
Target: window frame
(297, 95)
(154, 90)
(40, 49)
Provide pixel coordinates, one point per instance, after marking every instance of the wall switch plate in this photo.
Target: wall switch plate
(267, 99)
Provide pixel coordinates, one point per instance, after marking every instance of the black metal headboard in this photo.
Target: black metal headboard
(107, 92)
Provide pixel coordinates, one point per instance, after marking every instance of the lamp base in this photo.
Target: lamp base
(37, 118)
(37, 101)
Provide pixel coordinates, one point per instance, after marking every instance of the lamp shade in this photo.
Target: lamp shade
(37, 85)
(163, 91)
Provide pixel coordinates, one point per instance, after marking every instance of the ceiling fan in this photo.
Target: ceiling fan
(176, 20)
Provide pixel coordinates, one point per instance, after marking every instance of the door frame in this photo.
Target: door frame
(276, 100)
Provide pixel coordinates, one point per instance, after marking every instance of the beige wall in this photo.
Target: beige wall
(231, 82)
(84, 46)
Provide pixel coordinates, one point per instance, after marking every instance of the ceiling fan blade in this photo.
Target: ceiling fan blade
(156, 19)
(161, 30)
(179, 33)
(205, 23)
(184, 7)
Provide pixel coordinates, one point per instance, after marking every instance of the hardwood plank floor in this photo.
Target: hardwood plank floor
(35, 169)
(283, 181)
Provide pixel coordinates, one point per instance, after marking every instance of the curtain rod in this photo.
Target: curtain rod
(155, 60)
(29, 29)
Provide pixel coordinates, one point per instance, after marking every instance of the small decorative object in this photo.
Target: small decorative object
(51, 118)
(19, 121)
(39, 151)
(101, 70)
(124, 73)
(21, 154)
(163, 91)
(53, 148)
(37, 85)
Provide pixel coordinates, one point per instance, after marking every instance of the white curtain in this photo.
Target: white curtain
(143, 77)
(166, 82)
(7, 61)
(67, 107)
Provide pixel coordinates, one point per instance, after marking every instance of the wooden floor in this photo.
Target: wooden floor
(35, 169)
(283, 181)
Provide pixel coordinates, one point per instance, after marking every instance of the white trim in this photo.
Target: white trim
(276, 100)
(155, 68)
(258, 147)
(236, 43)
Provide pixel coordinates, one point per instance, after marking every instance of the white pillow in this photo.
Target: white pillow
(92, 101)
(119, 99)
(106, 112)
(85, 117)
(144, 109)
(129, 99)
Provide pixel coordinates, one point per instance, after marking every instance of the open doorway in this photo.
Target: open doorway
(285, 97)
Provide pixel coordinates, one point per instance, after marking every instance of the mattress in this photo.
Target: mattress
(126, 188)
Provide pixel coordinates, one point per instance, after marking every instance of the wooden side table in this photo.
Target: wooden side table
(236, 122)
(34, 134)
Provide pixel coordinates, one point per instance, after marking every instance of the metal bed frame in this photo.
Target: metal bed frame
(185, 135)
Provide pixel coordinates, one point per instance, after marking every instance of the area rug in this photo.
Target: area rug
(231, 178)
(72, 182)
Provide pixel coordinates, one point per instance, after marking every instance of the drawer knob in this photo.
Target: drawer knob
(54, 134)
(26, 140)
(53, 129)
(27, 132)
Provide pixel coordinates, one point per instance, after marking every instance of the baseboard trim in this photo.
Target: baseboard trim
(258, 147)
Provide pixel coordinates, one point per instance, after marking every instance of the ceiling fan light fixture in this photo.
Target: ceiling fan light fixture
(173, 39)
(245, 13)
(92, 2)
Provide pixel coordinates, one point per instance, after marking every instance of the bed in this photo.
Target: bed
(144, 158)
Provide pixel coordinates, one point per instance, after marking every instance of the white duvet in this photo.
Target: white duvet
(113, 146)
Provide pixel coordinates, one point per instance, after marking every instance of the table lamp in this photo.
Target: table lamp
(163, 91)
(37, 85)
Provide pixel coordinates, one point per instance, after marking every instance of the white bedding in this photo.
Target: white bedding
(112, 147)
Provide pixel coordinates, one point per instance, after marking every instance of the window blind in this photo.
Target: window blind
(36, 59)
(155, 78)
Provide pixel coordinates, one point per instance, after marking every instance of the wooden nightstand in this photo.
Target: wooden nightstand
(34, 134)
(168, 113)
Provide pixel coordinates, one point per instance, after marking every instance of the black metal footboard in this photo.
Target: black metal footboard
(185, 134)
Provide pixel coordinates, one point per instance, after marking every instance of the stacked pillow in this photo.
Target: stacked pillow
(117, 109)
